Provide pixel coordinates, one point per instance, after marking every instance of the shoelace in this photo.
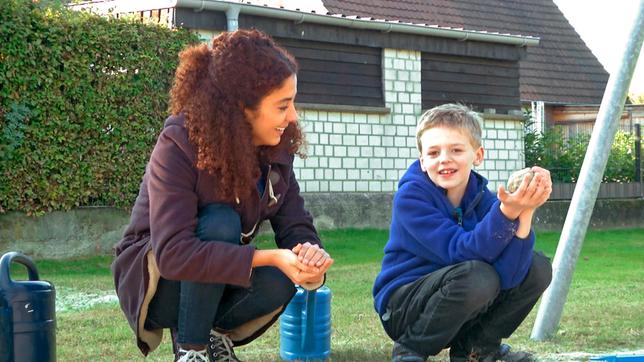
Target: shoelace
(222, 347)
(192, 356)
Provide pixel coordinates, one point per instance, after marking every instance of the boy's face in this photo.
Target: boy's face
(447, 157)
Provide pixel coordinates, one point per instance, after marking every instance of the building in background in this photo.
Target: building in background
(369, 68)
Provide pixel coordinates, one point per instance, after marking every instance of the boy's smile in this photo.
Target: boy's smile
(447, 157)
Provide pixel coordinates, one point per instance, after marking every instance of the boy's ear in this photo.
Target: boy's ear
(478, 156)
(422, 164)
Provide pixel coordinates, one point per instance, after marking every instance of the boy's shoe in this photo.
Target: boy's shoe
(220, 348)
(404, 354)
(502, 354)
(191, 356)
(506, 355)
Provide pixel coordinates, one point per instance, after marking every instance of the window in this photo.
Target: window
(337, 74)
(477, 82)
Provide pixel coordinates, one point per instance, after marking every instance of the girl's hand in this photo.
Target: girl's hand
(319, 276)
(298, 272)
(311, 254)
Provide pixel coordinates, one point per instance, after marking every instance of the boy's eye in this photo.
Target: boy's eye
(432, 153)
(283, 109)
(457, 150)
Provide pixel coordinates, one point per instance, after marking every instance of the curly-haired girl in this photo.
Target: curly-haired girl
(222, 164)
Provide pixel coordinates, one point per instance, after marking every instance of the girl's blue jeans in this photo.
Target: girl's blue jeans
(194, 308)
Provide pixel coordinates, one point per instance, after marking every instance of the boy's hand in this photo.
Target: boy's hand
(546, 183)
(532, 193)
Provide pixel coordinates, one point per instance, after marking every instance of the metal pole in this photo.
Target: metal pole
(638, 152)
(583, 199)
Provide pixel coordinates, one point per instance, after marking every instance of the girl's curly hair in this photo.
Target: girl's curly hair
(212, 87)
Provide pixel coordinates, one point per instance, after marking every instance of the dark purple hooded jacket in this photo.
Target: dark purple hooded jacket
(160, 240)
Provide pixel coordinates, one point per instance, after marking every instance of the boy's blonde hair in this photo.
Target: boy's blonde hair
(451, 115)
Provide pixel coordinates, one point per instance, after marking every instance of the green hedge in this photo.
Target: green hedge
(82, 99)
(564, 156)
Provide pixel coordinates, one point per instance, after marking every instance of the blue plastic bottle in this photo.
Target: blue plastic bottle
(305, 326)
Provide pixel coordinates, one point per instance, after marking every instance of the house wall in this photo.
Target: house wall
(354, 151)
(356, 155)
(367, 149)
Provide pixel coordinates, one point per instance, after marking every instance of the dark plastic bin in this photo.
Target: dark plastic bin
(27, 314)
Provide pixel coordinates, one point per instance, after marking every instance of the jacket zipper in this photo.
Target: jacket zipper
(458, 215)
(272, 201)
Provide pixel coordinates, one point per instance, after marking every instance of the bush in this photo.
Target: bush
(82, 99)
(565, 156)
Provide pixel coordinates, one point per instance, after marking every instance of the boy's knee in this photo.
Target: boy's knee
(218, 222)
(480, 283)
(485, 280)
(540, 272)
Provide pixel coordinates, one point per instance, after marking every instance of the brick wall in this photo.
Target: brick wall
(503, 144)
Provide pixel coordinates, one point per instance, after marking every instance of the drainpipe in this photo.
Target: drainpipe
(232, 17)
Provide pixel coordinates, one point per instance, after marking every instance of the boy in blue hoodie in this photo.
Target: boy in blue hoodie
(459, 269)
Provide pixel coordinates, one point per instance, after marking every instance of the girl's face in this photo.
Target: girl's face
(274, 113)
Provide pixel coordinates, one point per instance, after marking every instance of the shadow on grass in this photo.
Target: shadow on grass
(352, 355)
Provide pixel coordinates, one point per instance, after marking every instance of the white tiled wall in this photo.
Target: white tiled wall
(503, 144)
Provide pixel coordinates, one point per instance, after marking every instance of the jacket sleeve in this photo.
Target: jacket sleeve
(437, 237)
(179, 253)
(514, 262)
(292, 223)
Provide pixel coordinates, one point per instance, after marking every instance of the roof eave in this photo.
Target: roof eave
(304, 17)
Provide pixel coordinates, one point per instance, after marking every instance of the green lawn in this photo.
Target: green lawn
(604, 310)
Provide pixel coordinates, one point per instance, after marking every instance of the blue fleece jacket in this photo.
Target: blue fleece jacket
(428, 233)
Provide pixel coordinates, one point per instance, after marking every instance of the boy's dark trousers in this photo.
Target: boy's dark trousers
(461, 306)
